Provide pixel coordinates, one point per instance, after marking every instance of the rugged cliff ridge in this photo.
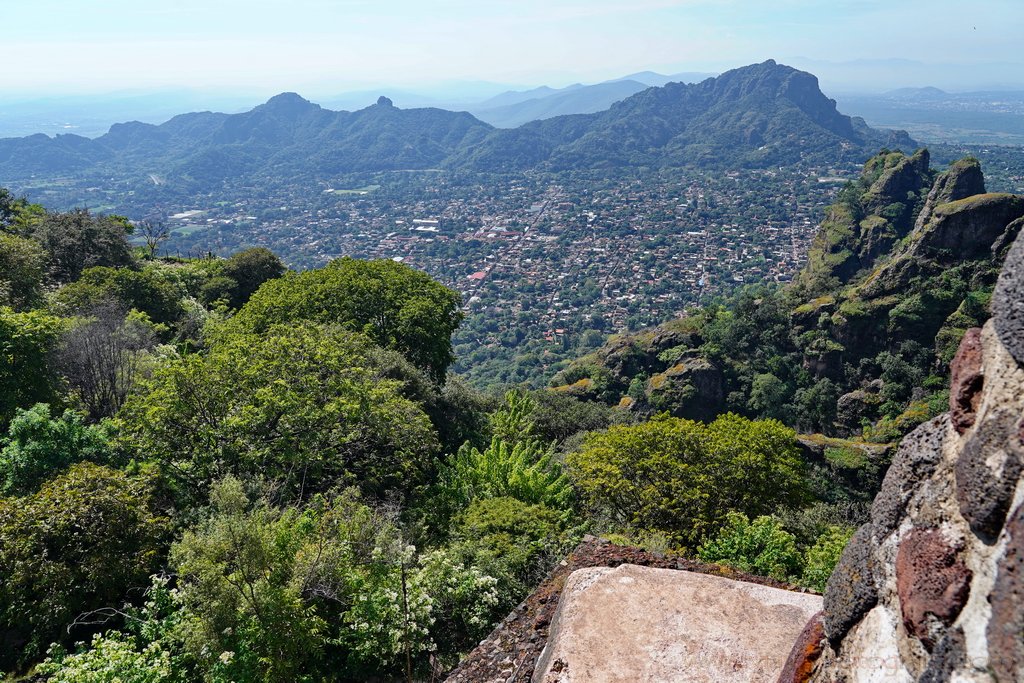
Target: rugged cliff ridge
(932, 588)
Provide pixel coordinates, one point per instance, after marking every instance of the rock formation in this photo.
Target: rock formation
(932, 588)
(643, 624)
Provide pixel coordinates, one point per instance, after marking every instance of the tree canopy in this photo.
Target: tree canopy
(300, 405)
(682, 477)
(394, 305)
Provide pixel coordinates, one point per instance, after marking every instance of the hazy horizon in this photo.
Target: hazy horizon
(320, 48)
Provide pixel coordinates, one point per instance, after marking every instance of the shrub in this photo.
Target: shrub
(38, 446)
(760, 547)
(821, 558)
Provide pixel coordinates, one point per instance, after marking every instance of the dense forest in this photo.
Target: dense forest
(219, 469)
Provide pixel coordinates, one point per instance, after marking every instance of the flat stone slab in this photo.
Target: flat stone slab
(641, 624)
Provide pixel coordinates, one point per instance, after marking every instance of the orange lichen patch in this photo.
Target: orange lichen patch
(805, 652)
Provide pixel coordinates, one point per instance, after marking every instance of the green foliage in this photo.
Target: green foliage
(524, 471)
(512, 541)
(77, 240)
(21, 272)
(26, 378)
(272, 592)
(760, 547)
(147, 649)
(683, 477)
(78, 544)
(395, 306)
(109, 657)
(38, 446)
(513, 422)
(768, 395)
(249, 269)
(557, 416)
(466, 602)
(303, 406)
(821, 558)
(766, 548)
(846, 457)
(143, 290)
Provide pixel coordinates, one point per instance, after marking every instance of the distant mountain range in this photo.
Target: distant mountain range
(514, 108)
(757, 115)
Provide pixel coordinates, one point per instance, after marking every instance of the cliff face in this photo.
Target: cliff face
(932, 588)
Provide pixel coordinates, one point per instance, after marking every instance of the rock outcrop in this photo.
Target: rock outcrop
(636, 623)
(932, 588)
(510, 653)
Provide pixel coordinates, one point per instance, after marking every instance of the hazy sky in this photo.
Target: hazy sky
(330, 45)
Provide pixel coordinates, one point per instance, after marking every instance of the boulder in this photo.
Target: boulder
(636, 623)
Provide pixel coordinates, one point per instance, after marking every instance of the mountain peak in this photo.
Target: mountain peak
(383, 101)
(289, 103)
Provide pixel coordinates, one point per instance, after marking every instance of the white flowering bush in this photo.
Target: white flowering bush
(465, 600)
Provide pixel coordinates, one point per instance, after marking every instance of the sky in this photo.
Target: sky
(330, 46)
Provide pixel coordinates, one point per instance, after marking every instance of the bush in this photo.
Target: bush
(512, 541)
(328, 591)
(26, 377)
(38, 446)
(821, 558)
(302, 406)
(142, 290)
(762, 547)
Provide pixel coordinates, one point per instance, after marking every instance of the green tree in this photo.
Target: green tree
(143, 290)
(394, 305)
(558, 416)
(39, 445)
(513, 422)
(682, 477)
(303, 406)
(249, 269)
(77, 544)
(26, 377)
(768, 395)
(77, 240)
(524, 471)
(21, 271)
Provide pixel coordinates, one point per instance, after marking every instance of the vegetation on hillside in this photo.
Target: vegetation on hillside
(215, 469)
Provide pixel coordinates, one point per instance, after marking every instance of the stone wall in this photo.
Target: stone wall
(932, 588)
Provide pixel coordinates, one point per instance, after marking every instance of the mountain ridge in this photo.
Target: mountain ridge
(752, 116)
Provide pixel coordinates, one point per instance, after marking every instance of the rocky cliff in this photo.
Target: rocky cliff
(932, 587)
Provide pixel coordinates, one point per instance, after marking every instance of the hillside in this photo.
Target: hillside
(758, 116)
(858, 345)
